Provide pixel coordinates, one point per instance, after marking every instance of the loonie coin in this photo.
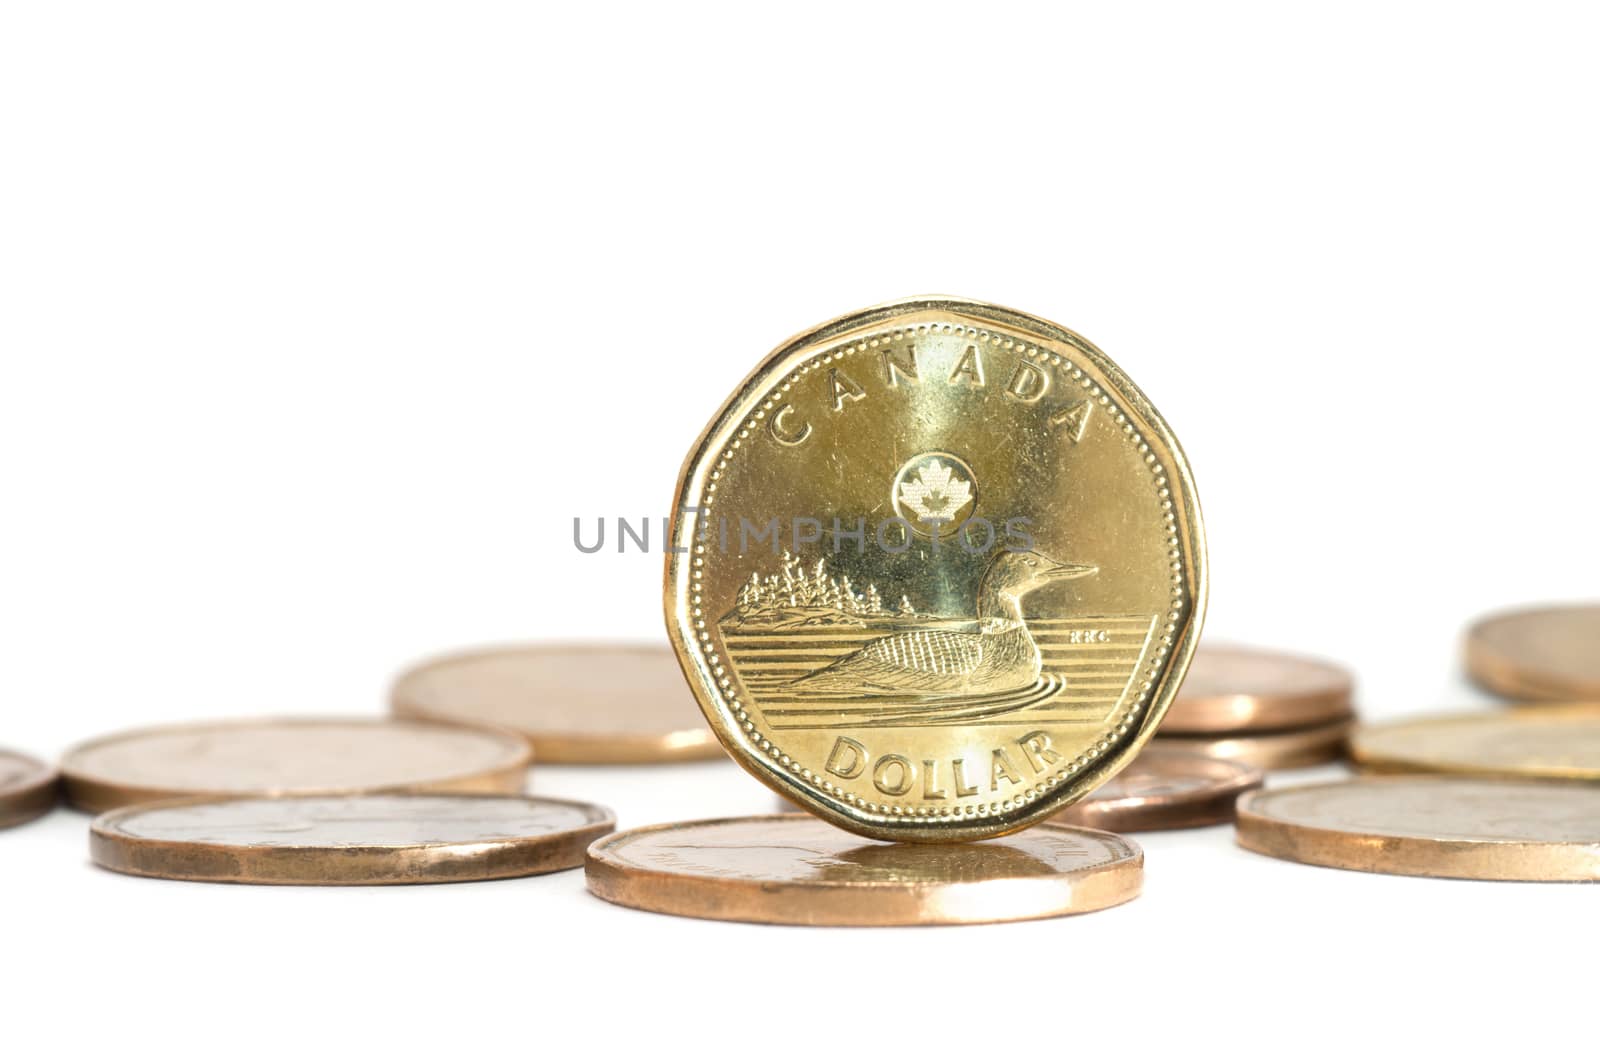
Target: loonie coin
(1540, 653)
(356, 839)
(1431, 826)
(1234, 690)
(796, 869)
(1284, 749)
(1164, 789)
(1544, 741)
(27, 788)
(937, 570)
(586, 703)
(291, 756)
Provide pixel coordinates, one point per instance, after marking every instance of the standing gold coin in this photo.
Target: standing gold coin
(292, 756)
(27, 788)
(1431, 826)
(938, 569)
(1540, 653)
(348, 839)
(580, 703)
(1287, 749)
(1234, 690)
(1164, 789)
(795, 869)
(1561, 742)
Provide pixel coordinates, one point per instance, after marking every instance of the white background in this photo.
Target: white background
(320, 322)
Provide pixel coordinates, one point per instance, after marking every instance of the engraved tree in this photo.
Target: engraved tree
(820, 585)
(750, 594)
(794, 576)
(847, 601)
(798, 596)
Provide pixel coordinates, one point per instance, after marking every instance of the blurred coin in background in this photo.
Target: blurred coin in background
(1285, 749)
(292, 756)
(356, 839)
(1431, 826)
(1232, 689)
(27, 788)
(1550, 653)
(1164, 789)
(1557, 742)
(578, 703)
(797, 869)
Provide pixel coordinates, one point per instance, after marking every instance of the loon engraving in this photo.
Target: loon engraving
(999, 656)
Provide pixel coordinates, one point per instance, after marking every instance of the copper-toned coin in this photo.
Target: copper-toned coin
(1235, 690)
(796, 869)
(1288, 749)
(1546, 741)
(583, 703)
(27, 788)
(1431, 826)
(1164, 789)
(349, 839)
(1540, 653)
(292, 756)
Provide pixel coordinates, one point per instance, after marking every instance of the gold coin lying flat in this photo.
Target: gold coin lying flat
(1548, 741)
(1164, 789)
(796, 869)
(292, 756)
(580, 703)
(348, 839)
(1234, 690)
(1540, 653)
(1431, 826)
(937, 570)
(27, 788)
(1285, 749)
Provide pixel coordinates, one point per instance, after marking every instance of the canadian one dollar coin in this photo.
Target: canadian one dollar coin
(936, 570)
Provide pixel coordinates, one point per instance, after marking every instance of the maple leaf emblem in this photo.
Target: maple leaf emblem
(936, 493)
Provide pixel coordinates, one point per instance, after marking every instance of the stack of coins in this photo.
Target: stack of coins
(1268, 709)
(1492, 796)
(434, 795)
(323, 801)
